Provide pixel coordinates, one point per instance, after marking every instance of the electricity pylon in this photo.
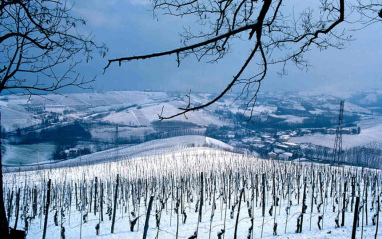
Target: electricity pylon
(337, 150)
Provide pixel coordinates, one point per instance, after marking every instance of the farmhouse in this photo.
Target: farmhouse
(286, 156)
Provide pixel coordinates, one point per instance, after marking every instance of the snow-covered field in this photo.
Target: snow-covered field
(126, 108)
(170, 171)
(371, 131)
(200, 118)
(107, 133)
(16, 117)
(294, 119)
(154, 147)
(235, 190)
(27, 154)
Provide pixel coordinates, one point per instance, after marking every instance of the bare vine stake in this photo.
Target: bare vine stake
(238, 213)
(253, 205)
(355, 218)
(343, 205)
(34, 201)
(298, 189)
(17, 208)
(376, 229)
(182, 187)
(9, 206)
(91, 197)
(115, 204)
(274, 202)
(172, 196)
(188, 185)
(101, 202)
(47, 209)
(43, 201)
(121, 198)
(146, 193)
(243, 186)
(95, 195)
(257, 187)
(201, 196)
(75, 188)
(221, 197)
(229, 189)
(366, 186)
(70, 199)
(352, 192)
(311, 200)
(200, 203)
(322, 199)
(147, 217)
(363, 208)
(213, 209)
(177, 212)
(263, 204)
(280, 192)
(61, 210)
(303, 210)
(226, 204)
(288, 204)
(139, 200)
(81, 208)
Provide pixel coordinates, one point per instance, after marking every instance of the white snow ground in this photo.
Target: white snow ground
(180, 163)
(371, 132)
(154, 147)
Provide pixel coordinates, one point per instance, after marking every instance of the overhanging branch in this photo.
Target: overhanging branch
(186, 48)
(230, 85)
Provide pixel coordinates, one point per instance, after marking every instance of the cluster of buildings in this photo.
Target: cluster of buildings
(275, 146)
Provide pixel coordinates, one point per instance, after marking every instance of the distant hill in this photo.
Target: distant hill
(155, 147)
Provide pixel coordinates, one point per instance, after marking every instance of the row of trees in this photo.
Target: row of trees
(363, 156)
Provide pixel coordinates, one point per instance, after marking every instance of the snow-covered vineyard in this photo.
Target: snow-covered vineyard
(195, 193)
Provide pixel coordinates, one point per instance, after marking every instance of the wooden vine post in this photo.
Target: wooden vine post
(344, 205)
(101, 202)
(47, 209)
(200, 203)
(17, 208)
(238, 213)
(263, 203)
(378, 208)
(95, 195)
(355, 218)
(201, 196)
(148, 217)
(115, 204)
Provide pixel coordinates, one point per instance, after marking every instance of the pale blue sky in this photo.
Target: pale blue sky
(129, 28)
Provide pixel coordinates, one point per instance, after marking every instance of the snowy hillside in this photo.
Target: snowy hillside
(371, 133)
(281, 124)
(195, 191)
(155, 147)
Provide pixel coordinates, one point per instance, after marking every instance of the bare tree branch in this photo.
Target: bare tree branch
(183, 49)
(283, 35)
(39, 39)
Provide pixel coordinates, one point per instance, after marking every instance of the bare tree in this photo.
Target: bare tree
(279, 34)
(40, 47)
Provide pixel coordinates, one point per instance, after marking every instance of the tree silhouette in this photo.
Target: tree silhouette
(40, 44)
(279, 34)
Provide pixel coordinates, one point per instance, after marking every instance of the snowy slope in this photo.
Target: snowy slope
(181, 163)
(14, 117)
(371, 131)
(155, 147)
